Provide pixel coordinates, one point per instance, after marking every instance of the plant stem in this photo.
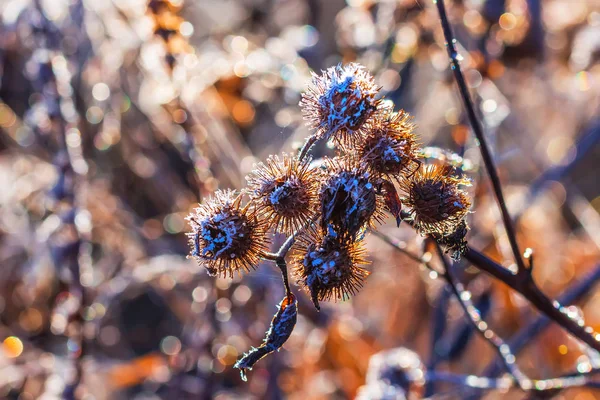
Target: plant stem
(528, 289)
(569, 380)
(538, 385)
(474, 316)
(478, 130)
(524, 284)
(310, 142)
(525, 335)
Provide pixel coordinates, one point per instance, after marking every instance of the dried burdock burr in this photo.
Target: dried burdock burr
(340, 103)
(329, 265)
(326, 210)
(225, 237)
(436, 202)
(284, 191)
(348, 197)
(389, 148)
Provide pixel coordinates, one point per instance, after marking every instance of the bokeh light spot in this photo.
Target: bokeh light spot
(170, 345)
(12, 346)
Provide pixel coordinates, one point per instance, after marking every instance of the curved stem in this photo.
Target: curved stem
(474, 316)
(279, 257)
(568, 380)
(486, 154)
(538, 385)
(528, 289)
(310, 142)
(525, 335)
(525, 285)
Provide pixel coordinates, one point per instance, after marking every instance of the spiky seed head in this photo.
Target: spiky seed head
(284, 191)
(225, 237)
(348, 197)
(437, 203)
(329, 265)
(389, 148)
(341, 102)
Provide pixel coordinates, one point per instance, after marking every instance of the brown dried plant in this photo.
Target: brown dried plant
(330, 207)
(436, 201)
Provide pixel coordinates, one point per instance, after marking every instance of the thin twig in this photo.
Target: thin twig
(474, 316)
(310, 142)
(401, 247)
(538, 385)
(471, 312)
(529, 290)
(535, 328)
(279, 257)
(568, 380)
(478, 130)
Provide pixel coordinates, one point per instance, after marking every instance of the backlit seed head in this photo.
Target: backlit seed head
(329, 266)
(226, 238)
(340, 103)
(389, 148)
(348, 197)
(437, 203)
(284, 191)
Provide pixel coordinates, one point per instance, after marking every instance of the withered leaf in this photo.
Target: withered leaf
(392, 200)
(280, 330)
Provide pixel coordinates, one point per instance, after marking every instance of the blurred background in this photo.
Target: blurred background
(118, 117)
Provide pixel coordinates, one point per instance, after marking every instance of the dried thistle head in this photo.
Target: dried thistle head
(348, 197)
(340, 103)
(328, 265)
(225, 237)
(437, 203)
(284, 191)
(389, 148)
